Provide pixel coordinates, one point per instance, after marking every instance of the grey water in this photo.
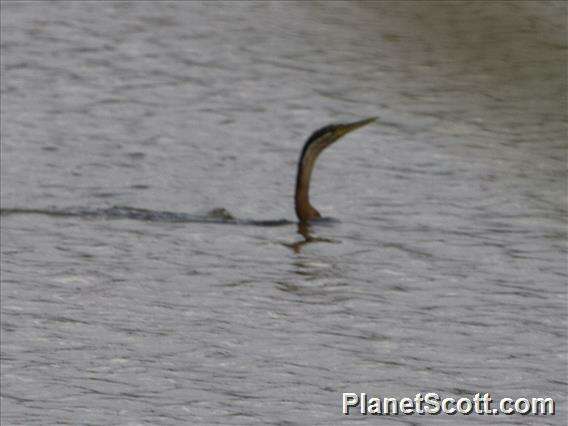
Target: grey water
(444, 269)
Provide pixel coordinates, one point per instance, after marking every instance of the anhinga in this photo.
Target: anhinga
(313, 147)
(315, 144)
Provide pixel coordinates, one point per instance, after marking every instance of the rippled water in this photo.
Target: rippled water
(444, 271)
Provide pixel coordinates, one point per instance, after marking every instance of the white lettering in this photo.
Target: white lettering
(390, 406)
(522, 406)
(419, 402)
(374, 406)
(433, 403)
(363, 400)
(546, 406)
(446, 402)
(349, 400)
(406, 406)
(464, 406)
(504, 403)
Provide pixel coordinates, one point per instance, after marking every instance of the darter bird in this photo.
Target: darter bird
(313, 147)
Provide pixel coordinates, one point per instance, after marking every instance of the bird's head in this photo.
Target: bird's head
(324, 137)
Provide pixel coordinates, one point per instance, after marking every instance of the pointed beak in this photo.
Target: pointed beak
(349, 127)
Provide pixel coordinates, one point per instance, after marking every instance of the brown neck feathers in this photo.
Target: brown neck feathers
(304, 210)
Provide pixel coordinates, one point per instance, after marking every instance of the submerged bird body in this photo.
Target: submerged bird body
(313, 147)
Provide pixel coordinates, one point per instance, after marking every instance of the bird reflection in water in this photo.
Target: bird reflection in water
(305, 231)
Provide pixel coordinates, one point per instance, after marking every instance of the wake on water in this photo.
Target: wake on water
(219, 215)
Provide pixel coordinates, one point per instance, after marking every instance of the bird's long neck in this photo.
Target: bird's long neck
(316, 143)
(304, 210)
